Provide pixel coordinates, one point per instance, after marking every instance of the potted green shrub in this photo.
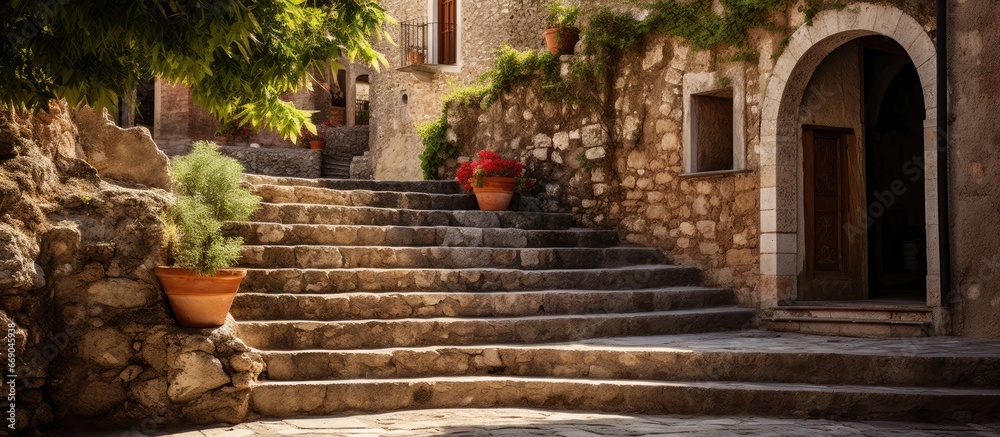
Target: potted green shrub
(562, 34)
(198, 278)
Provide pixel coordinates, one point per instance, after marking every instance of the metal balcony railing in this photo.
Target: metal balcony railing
(362, 111)
(423, 43)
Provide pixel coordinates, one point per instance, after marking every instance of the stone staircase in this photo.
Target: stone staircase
(367, 296)
(337, 163)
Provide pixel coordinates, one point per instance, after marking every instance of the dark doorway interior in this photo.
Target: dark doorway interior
(894, 172)
(145, 99)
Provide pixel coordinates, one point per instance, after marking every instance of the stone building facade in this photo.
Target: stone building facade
(825, 190)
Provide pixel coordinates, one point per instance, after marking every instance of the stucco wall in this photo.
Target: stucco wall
(975, 164)
(484, 26)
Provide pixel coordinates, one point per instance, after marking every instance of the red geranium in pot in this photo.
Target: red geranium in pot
(493, 180)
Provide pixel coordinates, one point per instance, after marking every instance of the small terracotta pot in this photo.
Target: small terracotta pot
(561, 40)
(200, 301)
(495, 194)
(415, 57)
(317, 144)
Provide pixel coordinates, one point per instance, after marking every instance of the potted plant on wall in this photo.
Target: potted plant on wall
(199, 281)
(562, 34)
(415, 55)
(493, 179)
(315, 141)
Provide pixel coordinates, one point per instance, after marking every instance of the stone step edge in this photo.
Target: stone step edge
(459, 248)
(361, 191)
(426, 211)
(717, 385)
(722, 310)
(843, 320)
(307, 181)
(677, 289)
(630, 268)
(649, 397)
(420, 211)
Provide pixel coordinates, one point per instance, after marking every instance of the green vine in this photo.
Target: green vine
(608, 39)
(510, 68)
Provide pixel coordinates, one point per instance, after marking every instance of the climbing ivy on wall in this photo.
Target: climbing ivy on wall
(510, 68)
(610, 37)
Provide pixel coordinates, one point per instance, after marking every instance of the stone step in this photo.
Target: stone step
(382, 257)
(464, 280)
(440, 187)
(848, 327)
(872, 313)
(354, 306)
(296, 213)
(355, 334)
(745, 356)
(287, 399)
(401, 236)
(376, 199)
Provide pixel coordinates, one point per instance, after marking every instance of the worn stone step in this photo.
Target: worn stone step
(747, 356)
(377, 199)
(297, 213)
(849, 327)
(286, 399)
(354, 334)
(464, 280)
(441, 187)
(382, 257)
(402, 236)
(873, 312)
(354, 306)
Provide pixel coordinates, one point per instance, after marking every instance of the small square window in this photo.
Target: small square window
(712, 131)
(713, 135)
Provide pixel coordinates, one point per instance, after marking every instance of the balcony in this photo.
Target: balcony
(425, 47)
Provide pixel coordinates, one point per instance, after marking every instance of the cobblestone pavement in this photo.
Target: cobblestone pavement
(523, 422)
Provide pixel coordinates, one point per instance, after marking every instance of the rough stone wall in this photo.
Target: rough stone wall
(95, 342)
(351, 140)
(484, 27)
(624, 171)
(974, 48)
(298, 163)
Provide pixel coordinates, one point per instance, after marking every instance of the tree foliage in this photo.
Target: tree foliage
(237, 56)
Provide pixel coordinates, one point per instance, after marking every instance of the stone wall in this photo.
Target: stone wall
(400, 100)
(974, 48)
(298, 163)
(95, 340)
(624, 170)
(348, 140)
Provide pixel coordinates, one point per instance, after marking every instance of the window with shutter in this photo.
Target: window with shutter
(447, 32)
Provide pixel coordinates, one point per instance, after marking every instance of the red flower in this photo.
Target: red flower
(490, 164)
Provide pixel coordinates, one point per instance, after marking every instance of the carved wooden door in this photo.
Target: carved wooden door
(447, 31)
(835, 237)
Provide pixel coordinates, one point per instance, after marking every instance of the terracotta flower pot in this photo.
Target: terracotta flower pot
(561, 40)
(317, 144)
(415, 57)
(200, 301)
(495, 194)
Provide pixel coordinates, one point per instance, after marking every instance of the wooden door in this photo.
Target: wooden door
(447, 31)
(835, 237)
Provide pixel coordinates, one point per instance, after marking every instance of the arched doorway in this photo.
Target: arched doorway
(904, 64)
(862, 197)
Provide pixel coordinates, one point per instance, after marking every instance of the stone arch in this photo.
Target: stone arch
(353, 71)
(780, 259)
